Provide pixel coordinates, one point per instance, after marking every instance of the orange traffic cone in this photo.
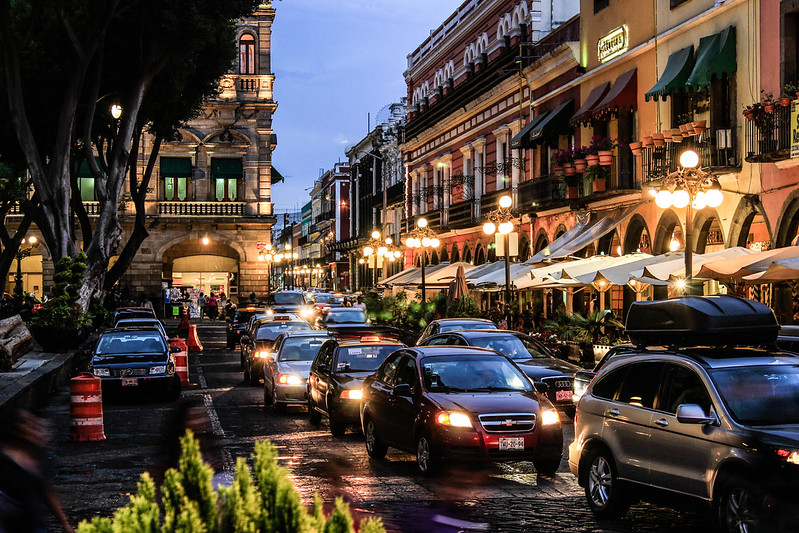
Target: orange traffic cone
(193, 341)
(183, 327)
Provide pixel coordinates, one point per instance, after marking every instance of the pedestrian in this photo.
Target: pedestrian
(25, 471)
(211, 307)
(146, 303)
(359, 304)
(201, 302)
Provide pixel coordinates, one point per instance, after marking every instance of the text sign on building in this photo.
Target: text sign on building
(795, 128)
(613, 44)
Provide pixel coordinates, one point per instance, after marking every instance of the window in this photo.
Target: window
(247, 54)
(226, 173)
(607, 386)
(599, 5)
(683, 385)
(175, 189)
(226, 190)
(176, 172)
(406, 374)
(389, 370)
(641, 384)
(86, 188)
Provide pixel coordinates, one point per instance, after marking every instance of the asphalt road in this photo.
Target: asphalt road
(94, 478)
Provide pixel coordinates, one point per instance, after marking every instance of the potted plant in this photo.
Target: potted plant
(676, 135)
(658, 139)
(790, 91)
(579, 153)
(603, 146)
(636, 147)
(753, 111)
(560, 159)
(767, 101)
(647, 142)
(597, 176)
(699, 126)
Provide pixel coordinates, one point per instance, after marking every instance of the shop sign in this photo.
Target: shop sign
(613, 44)
(795, 128)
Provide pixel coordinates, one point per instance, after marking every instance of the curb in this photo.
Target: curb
(33, 388)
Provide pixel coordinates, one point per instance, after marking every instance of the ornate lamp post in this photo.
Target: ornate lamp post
(379, 247)
(21, 254)
(500, 220)
(692, 188)
(422, 237)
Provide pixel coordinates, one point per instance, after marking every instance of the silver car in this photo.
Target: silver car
(286, 370)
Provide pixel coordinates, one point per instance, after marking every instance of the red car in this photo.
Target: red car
(458, 403)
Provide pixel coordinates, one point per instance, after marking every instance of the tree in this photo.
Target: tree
(64, 61)
(13, 190)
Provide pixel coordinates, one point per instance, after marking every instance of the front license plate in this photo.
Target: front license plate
(509, 444)
(129, 382)
(563, 395)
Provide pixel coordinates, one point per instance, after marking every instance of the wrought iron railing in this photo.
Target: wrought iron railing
(768, 135)
(716, 149)
(462, 214)
(539, 191)
(209, 209)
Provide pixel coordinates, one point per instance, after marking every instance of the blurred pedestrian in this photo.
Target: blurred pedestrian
(212, 306)
(201, 303)
(359, 304)
(25, 491)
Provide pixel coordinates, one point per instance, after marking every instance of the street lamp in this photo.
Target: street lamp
(21, 254)
(379, 247)
(500, 220)
(692, 188)
(422, 237)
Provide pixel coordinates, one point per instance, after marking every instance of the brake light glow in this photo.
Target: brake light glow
(352, 394)
(370, 338)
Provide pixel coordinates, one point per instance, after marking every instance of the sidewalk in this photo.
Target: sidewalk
(33, 379)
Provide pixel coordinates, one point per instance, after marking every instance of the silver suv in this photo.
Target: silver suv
(716, 425)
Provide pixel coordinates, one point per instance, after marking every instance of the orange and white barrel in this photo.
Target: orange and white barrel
(181, 360)
(86, 408)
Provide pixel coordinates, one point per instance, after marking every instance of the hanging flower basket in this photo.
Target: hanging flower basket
(569, 169)
(647, 142)
(605, 157)
(699, 126)
(556, 168)
(749, 115)
(667, 135)
(658, 139)
(676, 137)
(592, 160)
(785, 101)
(580, 165)
(636, 148)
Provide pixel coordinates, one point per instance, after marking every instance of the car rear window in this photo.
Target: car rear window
(289, 298)
(363, 358)
(345, 316)
(300, 349)
(760, 395)
(270, 330)
(443, 328)
(509, 345)
(130, 343)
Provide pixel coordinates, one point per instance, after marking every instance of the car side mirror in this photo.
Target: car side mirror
(175, 349)
(541, 387)
(403, 389)
(691, 413)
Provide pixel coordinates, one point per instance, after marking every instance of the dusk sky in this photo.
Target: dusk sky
(334, 64)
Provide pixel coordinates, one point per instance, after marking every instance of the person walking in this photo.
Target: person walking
(212, 307)
(201, 302)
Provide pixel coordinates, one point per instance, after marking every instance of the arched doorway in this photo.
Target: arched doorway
(444, 254)
(467, 254)
(668, 228)
(434, 258)
(479, 255)
(194, 266)
(636, 236)
(455, 255)
(541, 241)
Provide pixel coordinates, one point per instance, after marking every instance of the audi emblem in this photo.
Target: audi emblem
(563, 384)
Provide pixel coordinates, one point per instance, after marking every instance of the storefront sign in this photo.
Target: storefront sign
(613, 44)
(795, 128)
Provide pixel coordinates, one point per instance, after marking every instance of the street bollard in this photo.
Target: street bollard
(86, 408)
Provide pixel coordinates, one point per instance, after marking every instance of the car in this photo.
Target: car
(135, 322)
(551, 376)
(583, 377)
(713, 420)
(261, 343)
(460, 403)
(334, 316)
(133, 312)
(136, 359)
(336, 375)
(788, 338)
(286, 368)
(289, 302)
(238, 323)
(247, 334)
(443, 325)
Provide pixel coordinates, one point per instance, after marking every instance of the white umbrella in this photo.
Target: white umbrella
(675, 268)
(737, 268)
(782, 270)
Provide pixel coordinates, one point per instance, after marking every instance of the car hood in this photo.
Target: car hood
(301, 368)
(128, 359)
(488, 402)
(787, 435)
(541, 368)
(352, 379)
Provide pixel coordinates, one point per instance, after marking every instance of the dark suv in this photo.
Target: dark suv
(713, 419)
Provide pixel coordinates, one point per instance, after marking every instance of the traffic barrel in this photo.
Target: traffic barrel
(86, 408)
(181, 360)
(193, 341)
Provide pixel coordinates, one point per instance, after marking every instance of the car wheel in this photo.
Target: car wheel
(279, 407)
(604, 492)
(739, 510)
(425, 459)
(255, 379)
(337, 428)
(375, 448)
(547, 467)
(313, 415)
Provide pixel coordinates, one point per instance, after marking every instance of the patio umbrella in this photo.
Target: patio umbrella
(457, 287)
(676, 267)
(782, 270)
(752, 264)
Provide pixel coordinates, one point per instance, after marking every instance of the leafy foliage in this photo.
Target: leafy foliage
(62, 311)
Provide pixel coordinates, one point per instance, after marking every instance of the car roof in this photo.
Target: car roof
(384, 341)
(482, 332)
(279, 317)
(439, 350)
(713, 357)
(153, 329)
(461, 320)
(140, 319)
(306, 333)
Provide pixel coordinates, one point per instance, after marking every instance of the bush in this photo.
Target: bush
(62, 311)
(263, 501)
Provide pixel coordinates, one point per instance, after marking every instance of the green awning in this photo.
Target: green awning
(176, 167)
(226, 168)
(556, 123)
(519, 140)
(277, 177)
(715, 57)
(678, 68)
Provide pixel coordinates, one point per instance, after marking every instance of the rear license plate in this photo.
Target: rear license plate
(508, 444)
(563, 395)
(129, 382)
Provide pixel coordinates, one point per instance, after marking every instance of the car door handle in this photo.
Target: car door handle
(614, 412)
(662, 422)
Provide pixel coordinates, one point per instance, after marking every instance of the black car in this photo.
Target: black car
(583, 377)
(552, 376)
(237, 324)
(136, 360)
(443, 325)
(289, 302)
(337, 372)
(133, 312)
(260, 344)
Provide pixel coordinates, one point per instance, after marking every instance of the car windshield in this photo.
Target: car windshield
(270, 330)
(323, 298)
(470, 373)
(760, 395)
(289, 298)
(362, 358)
(130, 343)
(509, 345)
(300, 348)
(346, 316)
(244, 315)
(466, 325)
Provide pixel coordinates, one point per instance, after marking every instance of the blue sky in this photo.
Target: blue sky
(334, 63)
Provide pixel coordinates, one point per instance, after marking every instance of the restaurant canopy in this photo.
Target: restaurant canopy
(735, 269)
(678, 68)
(714, 59)
(675, 268)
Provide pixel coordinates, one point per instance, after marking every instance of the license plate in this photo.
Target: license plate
(563, 395)
(508, 444)
(129, 382)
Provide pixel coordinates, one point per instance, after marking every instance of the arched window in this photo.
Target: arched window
(247, 54)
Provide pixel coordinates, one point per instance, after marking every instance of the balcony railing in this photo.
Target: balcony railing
(202, 209)
(539, 191)
(768, 136)
(462, 214)
(490, 200)
(324, 215)
(716, 149)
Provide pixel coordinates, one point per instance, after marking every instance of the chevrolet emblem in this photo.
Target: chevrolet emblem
(509, 422)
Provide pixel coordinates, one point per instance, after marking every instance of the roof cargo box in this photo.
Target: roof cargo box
(701, 321)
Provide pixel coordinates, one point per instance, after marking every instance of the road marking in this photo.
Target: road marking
(201, 377)
(228, 464)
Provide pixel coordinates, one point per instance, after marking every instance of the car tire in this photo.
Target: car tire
(337, 428)
(313, 415)
(605, 494)
(739, 508)
(279, 407)
(425, 460)
(255, 379)
(374, 448)
(547, 467)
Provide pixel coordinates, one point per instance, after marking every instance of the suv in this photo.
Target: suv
(238, 323)
(713, 419)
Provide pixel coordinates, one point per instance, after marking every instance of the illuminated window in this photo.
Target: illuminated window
(247, 54)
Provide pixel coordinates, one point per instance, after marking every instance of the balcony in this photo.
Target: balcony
(433, 220)
(395, 193)
(490, 200)
(462, 215)
(201, 209)
(324, 216)
(768, 136)
(539, 191)
(716, 149)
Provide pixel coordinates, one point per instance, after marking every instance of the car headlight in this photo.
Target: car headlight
(262, 355)
(549, 417)
(160, 369)
(789, 456)
(352, 394)
(102, 372)
(270, 312)
(454, 419)
(306, 313)
(289, 379)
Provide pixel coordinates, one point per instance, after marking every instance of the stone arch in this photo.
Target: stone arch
(417, 260)
(605, 243)
(192, 246)
(748, 208)
(479, 255)
(541, 240)
(198, 236)
(668, 221)
(504, 27)
(788, 221)
(560, 231)
(467, 253)
(434, 258)
(491, 254)
(524, 249)
(519, 14)
(444, 255)
(455, 254)
(701, 227)
(636, 229)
